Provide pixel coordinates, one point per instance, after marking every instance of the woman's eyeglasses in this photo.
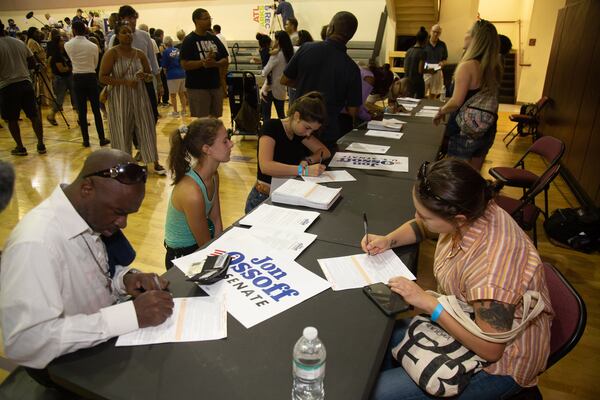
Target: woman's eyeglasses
(426, 191)
(127, 174)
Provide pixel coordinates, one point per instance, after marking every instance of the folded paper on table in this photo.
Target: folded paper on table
(384, 134)
(351, 272)
(394, 125)
(368, 148)
(330, 176)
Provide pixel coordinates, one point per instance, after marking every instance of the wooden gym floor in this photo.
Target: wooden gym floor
(574, 377)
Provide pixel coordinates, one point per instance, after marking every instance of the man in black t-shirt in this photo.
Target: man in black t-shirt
(327, 68)
(202, 54)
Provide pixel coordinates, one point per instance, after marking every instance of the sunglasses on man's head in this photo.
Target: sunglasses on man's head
(425, 189)
(127, 174)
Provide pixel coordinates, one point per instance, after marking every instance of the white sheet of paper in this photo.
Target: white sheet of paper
(408, 99)
(280, 218)
(331, 176)
(400, 114)
(193, 319)
(426, 114)
(260, 282)
(360, 270)
(367, 148)
(384, 134)
(369, 161)
(290, 243)
(434, 108)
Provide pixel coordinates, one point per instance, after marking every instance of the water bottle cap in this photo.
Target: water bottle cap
(310, 333)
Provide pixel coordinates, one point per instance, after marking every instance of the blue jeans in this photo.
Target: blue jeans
(254, 199)
(61, 85)
(265, 107)
(394, 383)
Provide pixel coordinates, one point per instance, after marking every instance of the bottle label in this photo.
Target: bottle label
(308, 372)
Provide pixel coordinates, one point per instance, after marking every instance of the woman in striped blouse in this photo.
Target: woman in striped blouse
(483, 258)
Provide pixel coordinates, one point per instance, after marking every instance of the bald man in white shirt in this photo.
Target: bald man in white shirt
(60, 289)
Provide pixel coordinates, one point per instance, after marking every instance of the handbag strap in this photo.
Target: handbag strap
(530, 311)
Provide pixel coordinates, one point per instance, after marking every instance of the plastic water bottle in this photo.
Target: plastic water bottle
(309, 366)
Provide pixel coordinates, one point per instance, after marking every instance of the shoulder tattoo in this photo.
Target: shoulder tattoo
(497, 314)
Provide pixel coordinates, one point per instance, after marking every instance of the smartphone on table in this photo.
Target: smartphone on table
(389, 302)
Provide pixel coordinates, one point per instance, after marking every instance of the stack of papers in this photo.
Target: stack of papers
(273, 216)
(360, 270)
(384, 134)
(393, 125)
(368, 148)
(308, 194)
(331, 176)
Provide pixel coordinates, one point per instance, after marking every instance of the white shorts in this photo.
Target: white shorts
(176, 85)
(434, 83)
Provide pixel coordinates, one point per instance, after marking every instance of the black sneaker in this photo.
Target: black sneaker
(52, 120)
(104, 142)
(86, 144)
(41, 149)
(159, 170)
(19, 151)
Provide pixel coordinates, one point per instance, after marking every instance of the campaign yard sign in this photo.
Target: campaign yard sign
(260, 282)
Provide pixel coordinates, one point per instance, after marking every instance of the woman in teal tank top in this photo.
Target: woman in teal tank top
(194, 210)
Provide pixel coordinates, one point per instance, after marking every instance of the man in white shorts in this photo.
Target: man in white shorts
(437, 54)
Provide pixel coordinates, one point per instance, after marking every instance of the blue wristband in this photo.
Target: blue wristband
(435, 315)
(300, 169)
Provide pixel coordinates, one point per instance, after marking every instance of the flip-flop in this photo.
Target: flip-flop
(52, 121)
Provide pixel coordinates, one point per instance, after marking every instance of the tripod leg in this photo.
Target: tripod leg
(52, 97)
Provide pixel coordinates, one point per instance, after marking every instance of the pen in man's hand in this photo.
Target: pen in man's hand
(321, 157)
(157, 282)
(366, 225)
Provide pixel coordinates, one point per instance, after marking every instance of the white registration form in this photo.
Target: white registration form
(367, 148)
(351, 272)
(280, 217)
(384, 134)
(289, 243)
(193, 319)
(330, 176)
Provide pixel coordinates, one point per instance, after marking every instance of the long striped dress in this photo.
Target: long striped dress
(130, 112)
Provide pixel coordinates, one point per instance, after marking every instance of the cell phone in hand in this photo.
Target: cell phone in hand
(389, 302)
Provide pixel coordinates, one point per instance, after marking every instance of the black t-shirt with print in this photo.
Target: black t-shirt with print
(286, 151)
(196, 47)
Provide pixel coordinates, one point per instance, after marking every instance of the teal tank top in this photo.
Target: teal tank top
(177, 231)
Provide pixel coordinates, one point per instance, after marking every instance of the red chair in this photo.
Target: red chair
(529, 120)
(550, 149)
(524, 210)
(568, 324)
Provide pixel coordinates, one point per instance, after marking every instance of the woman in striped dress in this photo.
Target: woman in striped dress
(125, 69)
(483, 258)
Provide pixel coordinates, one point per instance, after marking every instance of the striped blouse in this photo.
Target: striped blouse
(496, 260)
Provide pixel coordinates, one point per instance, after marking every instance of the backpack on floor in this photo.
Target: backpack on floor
(576, 228)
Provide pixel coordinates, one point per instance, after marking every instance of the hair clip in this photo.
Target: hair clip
(183, 130)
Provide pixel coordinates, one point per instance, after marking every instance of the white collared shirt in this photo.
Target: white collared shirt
(54, 297)
(83, 54)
